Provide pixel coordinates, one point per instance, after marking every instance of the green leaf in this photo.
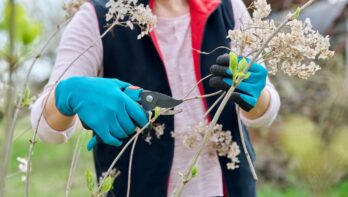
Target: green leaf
(107, 185)
(233, 62)
(90, 181)
(31, 32)
(247, 75)
(297, 13)
(27, 100)
(157, 111)
(20, 19)
(242, 65)
(194, 171)
(27, 30)
(240, 74)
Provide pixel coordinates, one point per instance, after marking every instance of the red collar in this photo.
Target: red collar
(205, 7)
(200, 11)
(201, 6)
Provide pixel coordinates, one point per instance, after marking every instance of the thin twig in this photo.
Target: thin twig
(130, 166)
(26, 80)
(139, 131)
(193, 88)
(186, 175)
(121, 153)
(33, 139)
(13, 174)
(212, 51)
(251, 52)
(74, 160)
(22, 133)
(214, 104)
(12, 123)
(8, 100)
(203, 96)
(246, 152)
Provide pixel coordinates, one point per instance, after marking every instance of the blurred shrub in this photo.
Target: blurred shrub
(26, 30)
(323, 98)
(318, 163)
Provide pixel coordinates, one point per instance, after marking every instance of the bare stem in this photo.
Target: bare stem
(22, 133)
(6, 151)
(74, 160)
(200, 81)
(20, 100)
(214, 104)
(33, 139)
(121, 153)
(246, 152)
(130, 166)
(187, 173)
(26, 80)
(13, 174)
(203, 96)
(212, 51)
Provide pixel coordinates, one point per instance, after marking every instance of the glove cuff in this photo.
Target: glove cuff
(62, 99)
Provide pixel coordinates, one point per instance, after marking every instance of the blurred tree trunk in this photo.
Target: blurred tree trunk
(9, 107)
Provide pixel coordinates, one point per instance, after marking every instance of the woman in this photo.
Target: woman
(163, 62)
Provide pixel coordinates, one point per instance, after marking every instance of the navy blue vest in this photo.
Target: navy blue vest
(139, 63)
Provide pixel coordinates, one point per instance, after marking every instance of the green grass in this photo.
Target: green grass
(269, 190)
(50, 166)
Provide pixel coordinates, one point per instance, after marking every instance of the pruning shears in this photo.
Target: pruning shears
(148, 100)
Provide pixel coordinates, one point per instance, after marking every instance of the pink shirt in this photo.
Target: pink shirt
(174, 39)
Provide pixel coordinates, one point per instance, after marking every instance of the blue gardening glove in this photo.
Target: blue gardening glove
(101, 105)
(248, 91)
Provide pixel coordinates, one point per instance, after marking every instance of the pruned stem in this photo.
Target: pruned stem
(203, 96)
(214, 104)
(200, 81)
(130, 166)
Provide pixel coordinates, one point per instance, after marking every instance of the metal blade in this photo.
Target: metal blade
(149, 100)
(165, 101)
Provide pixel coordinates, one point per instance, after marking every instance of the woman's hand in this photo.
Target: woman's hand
(248, 91)
(100, 104)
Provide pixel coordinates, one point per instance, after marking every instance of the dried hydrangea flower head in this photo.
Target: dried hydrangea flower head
(220, 141)
(129, 14)
(294, 50)
(158, 131)
(71, 7)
